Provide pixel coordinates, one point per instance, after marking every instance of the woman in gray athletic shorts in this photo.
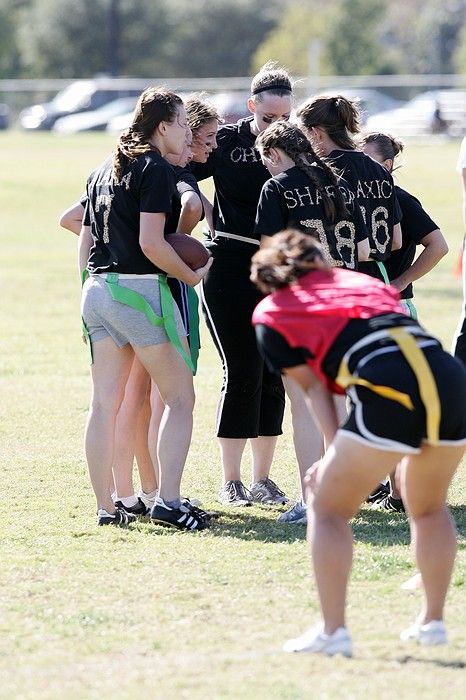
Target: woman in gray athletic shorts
(127, 306)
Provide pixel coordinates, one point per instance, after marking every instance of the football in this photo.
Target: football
(190, 250)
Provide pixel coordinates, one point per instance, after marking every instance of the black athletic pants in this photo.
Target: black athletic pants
(252, 399)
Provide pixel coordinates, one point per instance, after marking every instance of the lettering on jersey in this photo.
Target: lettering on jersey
(125, 181)
(374, 189)
(298, 197)
(244, 155)
(318, 226)
(348, 195)
(379, 228)
(104, 201)
(345, 236)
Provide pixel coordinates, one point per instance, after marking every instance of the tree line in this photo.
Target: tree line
(208, 38)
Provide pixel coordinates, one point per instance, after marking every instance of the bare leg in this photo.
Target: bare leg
(347, 473)
(231, 451)
(126, 429)
(425, 479)
(147, 474)
(110, 371)
(263, 448)
(175, 384)
(307, 440)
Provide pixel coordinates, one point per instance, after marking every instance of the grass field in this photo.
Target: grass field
(87, 612)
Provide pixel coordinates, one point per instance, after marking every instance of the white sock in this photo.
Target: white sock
(130, 501)
(151, 494)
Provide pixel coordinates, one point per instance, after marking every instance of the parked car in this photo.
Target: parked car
(80, 96)
(4, 116)
(370, 101)
(119, 122)
(231, 105)
(95, 120)
(434, 111)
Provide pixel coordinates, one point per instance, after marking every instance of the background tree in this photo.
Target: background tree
(290, 42)
(217, 38)
(352, 42)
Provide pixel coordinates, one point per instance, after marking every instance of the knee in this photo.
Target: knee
(107, 400)
(181, 400)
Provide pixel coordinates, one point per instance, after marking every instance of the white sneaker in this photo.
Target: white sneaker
(430, 634)
(315, 641)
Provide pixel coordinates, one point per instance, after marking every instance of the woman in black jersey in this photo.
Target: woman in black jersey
(330, 123)
(306, 193)
(252, 398)
(336, 331)
(127, 306)
(417, 228)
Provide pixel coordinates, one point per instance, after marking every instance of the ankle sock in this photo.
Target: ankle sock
(129, 501)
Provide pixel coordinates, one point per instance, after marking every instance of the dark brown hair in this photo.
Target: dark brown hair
(290, 139)
(155, 105)
(337, 115)
(270, 75)
(289, 255)
(386, 145)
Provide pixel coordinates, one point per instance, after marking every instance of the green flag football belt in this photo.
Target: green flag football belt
(136, 301)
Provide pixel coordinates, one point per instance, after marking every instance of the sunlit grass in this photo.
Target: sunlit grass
(88, 612)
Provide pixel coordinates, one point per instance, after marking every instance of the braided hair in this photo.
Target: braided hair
(290, 139)
(289, 255)
(339, 116)
(155, 105)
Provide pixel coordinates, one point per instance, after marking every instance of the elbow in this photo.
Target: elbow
(444, 249)
(364, 251)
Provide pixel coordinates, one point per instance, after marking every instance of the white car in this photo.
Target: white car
(95, 120)
(434, 111)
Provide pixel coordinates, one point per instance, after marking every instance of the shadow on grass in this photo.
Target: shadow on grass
(441, 663)
(373, 527)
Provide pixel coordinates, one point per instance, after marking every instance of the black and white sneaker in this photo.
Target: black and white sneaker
(139, 508)
(192, 505)
(186, 517)
(120, 518)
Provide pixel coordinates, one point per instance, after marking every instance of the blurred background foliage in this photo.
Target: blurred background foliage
(207, 38)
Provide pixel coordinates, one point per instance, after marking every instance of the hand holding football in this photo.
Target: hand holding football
(190, 250)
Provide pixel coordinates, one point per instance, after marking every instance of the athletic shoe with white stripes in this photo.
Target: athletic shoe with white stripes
(120, 518)
(296, 515)
(193, 504)
(393, 505)
(186, 517)
(431, 634)
(139, 507)
(234, 493)
(267, 493)
(315, 641)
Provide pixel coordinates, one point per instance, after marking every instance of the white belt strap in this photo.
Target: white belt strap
(234, 236)
(126, 276)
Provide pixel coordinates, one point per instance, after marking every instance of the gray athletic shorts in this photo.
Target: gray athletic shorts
(105, 317)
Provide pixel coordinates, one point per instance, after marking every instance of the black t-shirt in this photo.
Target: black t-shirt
(185, 182)
(375, 193)
(238, 178)
(415, 225)
(291, 199)
(113, 212)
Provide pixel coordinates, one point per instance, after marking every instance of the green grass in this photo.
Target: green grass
(86, 612)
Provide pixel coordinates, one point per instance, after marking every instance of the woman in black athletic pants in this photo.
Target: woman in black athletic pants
(252, 398)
